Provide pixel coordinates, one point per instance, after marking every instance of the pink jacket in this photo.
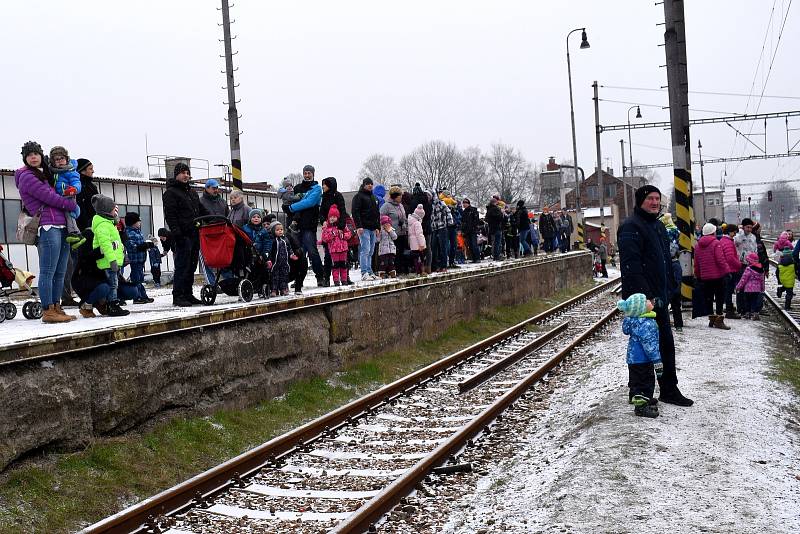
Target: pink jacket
(416, 238)
(731, 257)
(752, 281)
(709, 259)
(335, 238)
(782, 242)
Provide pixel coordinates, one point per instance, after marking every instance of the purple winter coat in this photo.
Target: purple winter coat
(752, 281)
(37, 194)
(709, 259)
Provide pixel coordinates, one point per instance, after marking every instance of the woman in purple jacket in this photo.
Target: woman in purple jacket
(35, 186)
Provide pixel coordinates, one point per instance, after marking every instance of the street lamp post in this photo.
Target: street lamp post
(624, 185)
(584, 44)
(630, 152)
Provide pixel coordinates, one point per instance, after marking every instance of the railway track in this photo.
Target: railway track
(790, 317)
(344, 471)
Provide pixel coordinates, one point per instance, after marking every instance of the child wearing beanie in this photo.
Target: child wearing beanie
(67, 184)
(278, 260)
(288, 197)
(386, 248)
(643, 356)
(136, 246)
(337, 242)
(786, 276)
(108, 240)
(752, 285)
(416, 238)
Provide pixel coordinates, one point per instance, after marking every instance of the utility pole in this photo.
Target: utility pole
(233, 114)
(702, 179)
(599, 171)
(678, 87)
(624, 185)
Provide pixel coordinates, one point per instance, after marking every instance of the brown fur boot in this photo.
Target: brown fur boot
(719, 322)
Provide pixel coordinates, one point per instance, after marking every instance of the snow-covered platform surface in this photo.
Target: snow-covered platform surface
(21, 330)
(730, 463)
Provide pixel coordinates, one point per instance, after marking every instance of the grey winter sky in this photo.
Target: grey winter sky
(329, 83)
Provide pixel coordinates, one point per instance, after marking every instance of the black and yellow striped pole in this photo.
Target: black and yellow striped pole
(581, 239)
(678, 87)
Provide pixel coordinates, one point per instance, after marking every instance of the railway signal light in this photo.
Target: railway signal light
(738, 195)
(769, 196)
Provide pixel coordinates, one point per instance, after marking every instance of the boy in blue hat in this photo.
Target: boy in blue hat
(643, 357)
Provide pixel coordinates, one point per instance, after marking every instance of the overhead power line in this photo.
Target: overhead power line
(713, 93)
(667, 107)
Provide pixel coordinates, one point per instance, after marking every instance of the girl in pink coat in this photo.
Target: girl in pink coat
(336, 240)
(416, 239)
(752, 285)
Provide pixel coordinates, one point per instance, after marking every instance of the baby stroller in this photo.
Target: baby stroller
(9, 274)
(227, 248)
(597, 266)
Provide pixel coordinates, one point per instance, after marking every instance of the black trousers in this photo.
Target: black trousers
(715, 293)
(186, 253)
(641, 379)
(666, 344)
(677, 306)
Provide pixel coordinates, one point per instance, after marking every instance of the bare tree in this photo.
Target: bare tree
(381, 168)
(475, 176)
(510, 175)
(130, 171)
(773, 214)
(436, 165)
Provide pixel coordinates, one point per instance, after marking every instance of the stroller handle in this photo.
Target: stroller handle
(210, 218)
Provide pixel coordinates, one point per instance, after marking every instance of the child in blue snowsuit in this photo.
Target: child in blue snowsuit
(643, 357)
(67, 183)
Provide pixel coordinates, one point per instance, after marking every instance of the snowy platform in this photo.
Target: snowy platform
(21, 338)
(730, 463)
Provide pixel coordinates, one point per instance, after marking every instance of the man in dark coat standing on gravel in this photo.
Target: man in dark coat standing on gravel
(645, 265)
(181, 208)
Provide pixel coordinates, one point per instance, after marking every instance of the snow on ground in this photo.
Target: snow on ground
(21, 329)
(730, 463)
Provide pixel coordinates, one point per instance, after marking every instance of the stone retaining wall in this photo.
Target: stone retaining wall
(66, 402)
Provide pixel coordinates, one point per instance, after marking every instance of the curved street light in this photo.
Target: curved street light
(584, 45)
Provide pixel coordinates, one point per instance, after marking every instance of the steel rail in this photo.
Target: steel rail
(200, 487)
(217, 318)
(366, 516)
(488, 372)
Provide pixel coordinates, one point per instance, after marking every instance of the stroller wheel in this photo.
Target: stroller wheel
(35, 310)
(2, 313)
(246, 290)
(11, 310)
(208, 295)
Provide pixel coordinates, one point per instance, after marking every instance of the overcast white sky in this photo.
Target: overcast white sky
(329, 83)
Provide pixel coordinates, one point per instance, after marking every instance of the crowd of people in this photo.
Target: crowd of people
(85, 246)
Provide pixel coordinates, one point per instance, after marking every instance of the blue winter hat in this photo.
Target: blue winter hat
(634, 306)
(212, 183)
(255, 211)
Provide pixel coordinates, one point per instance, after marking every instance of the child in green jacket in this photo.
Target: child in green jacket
(785, 274)
(108, 240)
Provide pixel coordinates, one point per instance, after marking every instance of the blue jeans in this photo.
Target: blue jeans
(440, 247)
(137, 279)
(310, 246)
(497, 245)
(451, 239)
(365, 250)
(113, 282)
(102, 291)
(523, 238)
(53, 258)
(471, 240)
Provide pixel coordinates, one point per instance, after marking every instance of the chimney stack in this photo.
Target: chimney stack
(552, 165)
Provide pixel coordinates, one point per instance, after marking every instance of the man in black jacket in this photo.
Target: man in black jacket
(181, 208)
(330, 197)
(494, 219)
(645, 265)
(547, 229)
(524, 225)
(367, 218)
(470, 220)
